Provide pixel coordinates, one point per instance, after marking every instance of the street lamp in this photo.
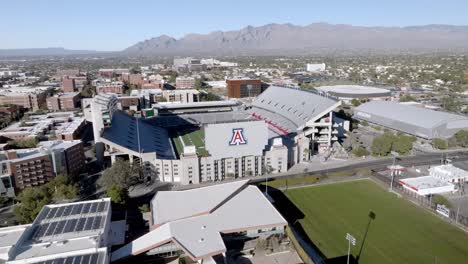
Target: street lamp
(351, 240)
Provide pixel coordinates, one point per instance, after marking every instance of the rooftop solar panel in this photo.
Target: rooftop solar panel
(80, 224)
(70, 225)
(85, 259)
(59, 261)
(51, 229)
(59, 228)
(77, 209)
(67, 210)
(60, 211)
(93, 208)
(102, 207)
(51, 213)
(86, 208)
(69, 261)
(89, 223)
(97, 222)
(43, 214)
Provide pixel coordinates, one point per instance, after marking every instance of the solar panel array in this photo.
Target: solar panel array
(74, 209)
(68, 226)
(83, 259)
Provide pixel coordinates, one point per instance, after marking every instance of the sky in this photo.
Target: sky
(114, 25)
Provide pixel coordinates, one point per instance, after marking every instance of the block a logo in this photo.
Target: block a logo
(237, 137)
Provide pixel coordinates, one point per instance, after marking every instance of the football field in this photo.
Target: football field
(400, 233)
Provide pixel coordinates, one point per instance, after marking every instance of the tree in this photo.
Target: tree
(63, 188)
(360, 152)
(364, 123)
(407, 98)
(439, 143)
(461, 138)
(23, 144)
(144, 208)
(450, 104)
(117, 194)
(403, 144)
(31, 201)
(121, 174)
(382, 145)
(355, 102)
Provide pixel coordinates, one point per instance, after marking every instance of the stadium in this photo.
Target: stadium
(190, 143)
(347, 93)
(411, 119)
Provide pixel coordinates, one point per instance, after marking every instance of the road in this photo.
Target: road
(381, 164)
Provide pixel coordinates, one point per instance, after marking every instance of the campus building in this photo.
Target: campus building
(240, 88)
(417, 121)
(24, 168)
(63, 101)
(112, 87)
(212, 141)
(185, 82)
(80, 232)
(32, 98)
(199, 222)
(62, 125)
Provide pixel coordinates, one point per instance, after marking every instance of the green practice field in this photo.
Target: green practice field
(401, 232)
(193, 138)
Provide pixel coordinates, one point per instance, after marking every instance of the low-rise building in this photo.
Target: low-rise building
(33, 98)
(182, 96)
(79, 232)
(185, 83)
(200, 222)
(113, 87)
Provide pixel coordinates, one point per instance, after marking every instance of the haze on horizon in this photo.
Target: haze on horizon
(115, 25)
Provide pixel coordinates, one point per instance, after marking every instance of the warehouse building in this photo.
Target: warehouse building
(199, 222)
(420, 122)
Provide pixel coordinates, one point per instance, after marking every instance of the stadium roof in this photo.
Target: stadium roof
(124, 132)
(59, 234)
(413, 120)
(357, 91)
(287, 110)
(196, 225)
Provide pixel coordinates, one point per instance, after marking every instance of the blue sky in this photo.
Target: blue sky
(115, 25)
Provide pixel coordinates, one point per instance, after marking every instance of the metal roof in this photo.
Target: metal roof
(223, 208)
(414, 120)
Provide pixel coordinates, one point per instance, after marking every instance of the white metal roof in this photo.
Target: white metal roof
(220, 209)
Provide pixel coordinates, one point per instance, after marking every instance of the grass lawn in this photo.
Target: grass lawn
(401, 232)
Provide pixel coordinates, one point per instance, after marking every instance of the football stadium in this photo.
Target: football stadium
(199, 142)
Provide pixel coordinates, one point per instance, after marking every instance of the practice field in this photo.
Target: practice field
(401, 232)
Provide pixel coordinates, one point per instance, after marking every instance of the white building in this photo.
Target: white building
(427, 185)
(449, 173)
(78, 232)
(198, 222)
(319, 67)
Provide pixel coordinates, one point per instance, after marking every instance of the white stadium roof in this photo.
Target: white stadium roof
(287, 110)
(196, 225)
(354, 91)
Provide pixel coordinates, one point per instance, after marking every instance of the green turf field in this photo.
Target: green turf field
(193, 138)
(401, 232)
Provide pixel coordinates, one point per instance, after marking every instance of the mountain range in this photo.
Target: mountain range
(314, 38)
(288, 39)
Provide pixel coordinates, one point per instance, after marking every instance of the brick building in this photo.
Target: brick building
(240, 88)
(63, 101)
(68, 84)
(113, 87)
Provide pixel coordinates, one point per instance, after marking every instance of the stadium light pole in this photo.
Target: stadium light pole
(351, 240)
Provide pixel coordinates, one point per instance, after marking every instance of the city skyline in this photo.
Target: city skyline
(116, 25)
